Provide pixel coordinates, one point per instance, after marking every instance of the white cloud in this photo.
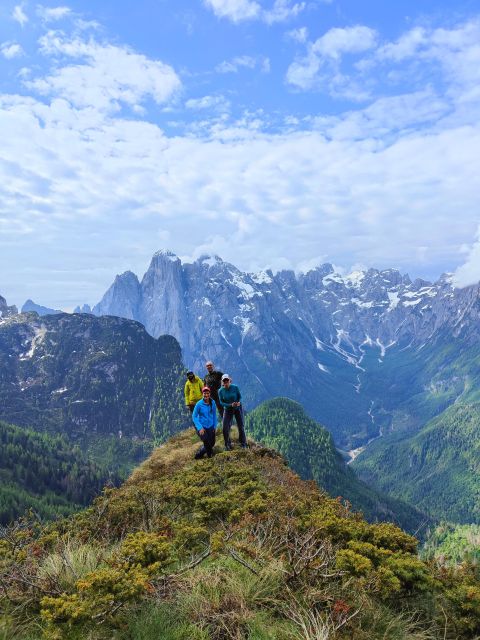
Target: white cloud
(446, 59)
(245, 62)
(52, 14)
(103, 75)
(336, 42)
(321, 65)
(385, 118)
(11, 50)
(19, 15)
(469, 272)
(241, 10)
(208, 102)
(283, 10)
(298, 35)
(235, 10)
(455, 52)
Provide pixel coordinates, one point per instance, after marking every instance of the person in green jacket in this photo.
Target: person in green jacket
(230, 398)
(193, 390)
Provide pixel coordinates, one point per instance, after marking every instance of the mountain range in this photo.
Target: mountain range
(364, 353)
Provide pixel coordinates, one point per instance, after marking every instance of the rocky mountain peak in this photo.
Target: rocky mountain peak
(85, 308)
(122, 298)
(163, 255)
(30, 305)
(5, 310)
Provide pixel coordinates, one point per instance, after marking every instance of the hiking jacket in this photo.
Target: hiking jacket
(193, 391)
(213, 380)
(227, 396)
(204, 415)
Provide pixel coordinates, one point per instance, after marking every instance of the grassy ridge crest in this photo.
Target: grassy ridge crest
(233, 547)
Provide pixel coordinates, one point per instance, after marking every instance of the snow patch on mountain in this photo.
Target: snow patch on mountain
(37, 339)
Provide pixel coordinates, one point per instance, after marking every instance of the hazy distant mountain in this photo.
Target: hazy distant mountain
(85, 308)
(30, 305)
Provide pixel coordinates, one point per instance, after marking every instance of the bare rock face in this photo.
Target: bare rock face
(122, 299)
(333, 342)
(5, 310)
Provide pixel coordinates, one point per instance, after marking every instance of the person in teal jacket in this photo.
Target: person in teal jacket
(230, 398)
(205, 420)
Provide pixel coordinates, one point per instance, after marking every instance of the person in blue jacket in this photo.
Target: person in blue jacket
(230, 398)
(205, 420)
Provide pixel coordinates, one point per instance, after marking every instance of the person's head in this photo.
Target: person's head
(190, 376)
(206, 394)
(209, 366)
(226, 380)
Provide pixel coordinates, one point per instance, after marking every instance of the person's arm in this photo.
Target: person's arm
(239, 395)
(196, 419)
(186, 394)
(221, 398)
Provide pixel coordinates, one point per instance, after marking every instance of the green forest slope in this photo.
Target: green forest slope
(437, 469)
(45, 473)
(453, 544)
(308, 447)
(233, 547)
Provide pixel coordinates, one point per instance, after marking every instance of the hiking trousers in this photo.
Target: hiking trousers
(208, 440)
(228, 415)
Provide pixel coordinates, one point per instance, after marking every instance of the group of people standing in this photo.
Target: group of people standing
(204, 398)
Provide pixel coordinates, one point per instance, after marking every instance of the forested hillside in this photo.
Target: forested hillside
(309, 449)
(454, 544)
(233, 547)
(89, 376)
(47, 474)
(437, 469)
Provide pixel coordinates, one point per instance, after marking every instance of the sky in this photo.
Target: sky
(275, 133)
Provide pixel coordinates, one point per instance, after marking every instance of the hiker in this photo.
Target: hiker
(193, 390)
(205, 420)
(213, 380)
(230, 398)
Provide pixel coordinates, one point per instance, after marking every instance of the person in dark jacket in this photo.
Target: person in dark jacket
(205, 420)
(230, 398)
(213, 379)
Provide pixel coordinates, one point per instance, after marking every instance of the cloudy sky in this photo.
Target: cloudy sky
(275, 133)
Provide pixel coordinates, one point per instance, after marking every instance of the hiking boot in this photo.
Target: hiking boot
(244, 445)
(199, 455)
(228, 447)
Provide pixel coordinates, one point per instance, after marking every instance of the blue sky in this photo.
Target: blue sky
(275, 133)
